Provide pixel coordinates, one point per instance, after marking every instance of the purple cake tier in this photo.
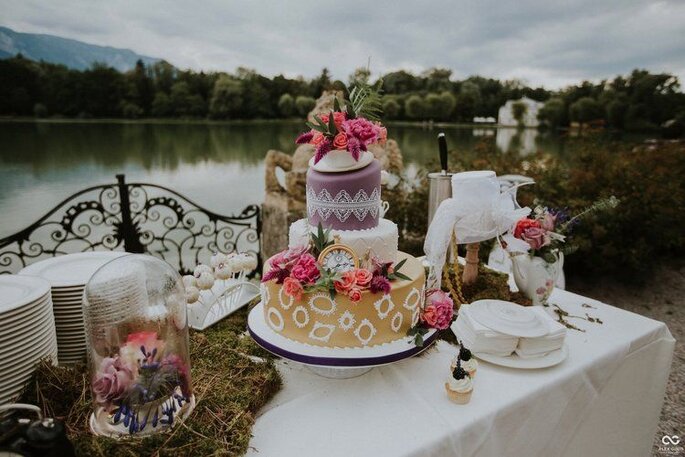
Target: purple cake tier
(349, 200)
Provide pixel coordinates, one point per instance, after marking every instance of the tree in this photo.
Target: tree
(227, 98)
(304, 105)
(518, 110)
(586, 109)
(286, 105)
(553, 113)
(391, 107)
(447, 104)
(161, 105)
(415, 107)
(180, 99)
(438, 79)
(144, 90)
(616, 113)
(361, 75)
(439, 107)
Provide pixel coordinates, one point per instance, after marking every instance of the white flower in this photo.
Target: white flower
(205, 281)
(223, 271)
(192, 294)
(189, 280)
(202, 269)
(217, 259)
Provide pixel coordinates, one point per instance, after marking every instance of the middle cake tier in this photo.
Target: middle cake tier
(348, 200)
(380, 241)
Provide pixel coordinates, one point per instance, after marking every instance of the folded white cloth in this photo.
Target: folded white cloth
(479, 338)
(542, 345)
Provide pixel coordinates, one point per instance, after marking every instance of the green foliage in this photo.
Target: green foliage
(304, 105)
(320, 240)
(366, 101)
(286, 105)
(391, 107)
(553, 113)
(518, 110)
(415, 107)
(130, 110)
(227, 98)
(40, 110)
(161, 105)
(586, 109)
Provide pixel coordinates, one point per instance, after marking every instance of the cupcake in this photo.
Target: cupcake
(467, 361)
(459, 386)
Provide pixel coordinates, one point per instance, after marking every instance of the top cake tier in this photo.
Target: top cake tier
(349, 200)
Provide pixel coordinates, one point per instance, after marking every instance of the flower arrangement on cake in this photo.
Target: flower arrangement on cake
(352, 129)
(437, 313)
(300, 271)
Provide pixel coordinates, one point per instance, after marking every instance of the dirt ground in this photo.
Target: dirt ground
(662, 299)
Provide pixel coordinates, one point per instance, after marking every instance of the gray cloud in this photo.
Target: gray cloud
(541, 42)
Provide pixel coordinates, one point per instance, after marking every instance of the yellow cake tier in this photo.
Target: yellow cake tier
(320, 321)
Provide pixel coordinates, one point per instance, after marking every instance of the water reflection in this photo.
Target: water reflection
(217, 165)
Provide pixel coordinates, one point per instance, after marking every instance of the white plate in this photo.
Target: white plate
(18, 330)
(71, 270)
(514, 361)
(17, 291)
(25, 347)
(508, 318)
(24, 313)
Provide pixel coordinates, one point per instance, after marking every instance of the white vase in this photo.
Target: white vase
(536, 277)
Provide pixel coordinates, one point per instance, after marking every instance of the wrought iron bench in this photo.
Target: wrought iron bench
(134, 217)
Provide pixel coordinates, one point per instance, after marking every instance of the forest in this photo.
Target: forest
(640, 101)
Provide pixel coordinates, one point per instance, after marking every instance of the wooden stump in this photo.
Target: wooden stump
(471, 268)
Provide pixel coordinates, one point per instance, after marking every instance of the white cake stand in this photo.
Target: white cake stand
(337, 363)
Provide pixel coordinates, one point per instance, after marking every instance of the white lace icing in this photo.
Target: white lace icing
(282, 298)
(266, 295)
(318, 337)
(460, 385)
(412, 300)
(396, 321)
(301, 323)
(346, 321)
(343, 205)
(389, 306)
(325, 298)
(372, 332)
(270, 314)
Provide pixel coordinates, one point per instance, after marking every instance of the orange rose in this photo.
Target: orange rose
(340, 141)
(354, 294)
(363, 277)
(383, 135)
(317, 138)
(346, 282)
(293, 288)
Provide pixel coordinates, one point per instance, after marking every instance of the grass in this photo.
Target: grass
(230, 387)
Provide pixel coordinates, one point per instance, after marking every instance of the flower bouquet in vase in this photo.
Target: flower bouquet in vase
(537, 244)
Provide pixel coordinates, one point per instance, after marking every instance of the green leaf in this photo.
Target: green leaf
(399, 265)
(331, 125)
(336, 104)
(318, 128)
(418, 340)
(402, 276)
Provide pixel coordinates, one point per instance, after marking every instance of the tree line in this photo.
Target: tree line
(640, 101)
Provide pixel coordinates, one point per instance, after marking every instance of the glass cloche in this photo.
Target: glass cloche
(137, 332)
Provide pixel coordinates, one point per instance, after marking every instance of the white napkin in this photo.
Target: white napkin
(540, 346)
(479, 338)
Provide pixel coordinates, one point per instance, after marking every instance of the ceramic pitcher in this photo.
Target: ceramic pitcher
(536, 277)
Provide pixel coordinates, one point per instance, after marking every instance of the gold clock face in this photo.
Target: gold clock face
(338, 258)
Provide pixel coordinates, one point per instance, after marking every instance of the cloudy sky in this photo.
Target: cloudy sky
(551, 43)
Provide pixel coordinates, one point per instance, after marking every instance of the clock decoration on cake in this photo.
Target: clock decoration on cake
(338, 257)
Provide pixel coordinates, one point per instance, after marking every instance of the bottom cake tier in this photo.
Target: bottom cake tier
(318, 320)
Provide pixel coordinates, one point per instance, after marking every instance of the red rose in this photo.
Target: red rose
(523, 225)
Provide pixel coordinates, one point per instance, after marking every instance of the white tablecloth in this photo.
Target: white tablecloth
(603, 400)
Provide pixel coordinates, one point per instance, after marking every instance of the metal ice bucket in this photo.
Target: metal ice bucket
(440, 188)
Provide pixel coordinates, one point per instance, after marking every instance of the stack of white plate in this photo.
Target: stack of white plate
(27, 331)
(68, 275)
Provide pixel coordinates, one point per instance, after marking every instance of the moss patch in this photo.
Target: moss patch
(230, 387)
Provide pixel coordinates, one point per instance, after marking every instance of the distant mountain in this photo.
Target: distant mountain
(72, 53)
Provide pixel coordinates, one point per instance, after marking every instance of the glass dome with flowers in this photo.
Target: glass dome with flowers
(136, 325)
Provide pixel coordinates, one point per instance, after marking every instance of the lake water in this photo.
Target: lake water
(220, 166)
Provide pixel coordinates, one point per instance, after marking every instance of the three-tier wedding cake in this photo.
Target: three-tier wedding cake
(342, 281)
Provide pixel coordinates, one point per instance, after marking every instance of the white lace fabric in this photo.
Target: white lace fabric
(343, 205)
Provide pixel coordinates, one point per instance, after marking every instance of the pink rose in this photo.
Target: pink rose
(306, 269)
(346, 282)
(536, 237)
(354, 294)
(111, 381)
(340, 141)
(382, 134)
(147, 339)
(287, 259)
(317, 138)
(363, 277)
(293, 288)
(439, 310)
